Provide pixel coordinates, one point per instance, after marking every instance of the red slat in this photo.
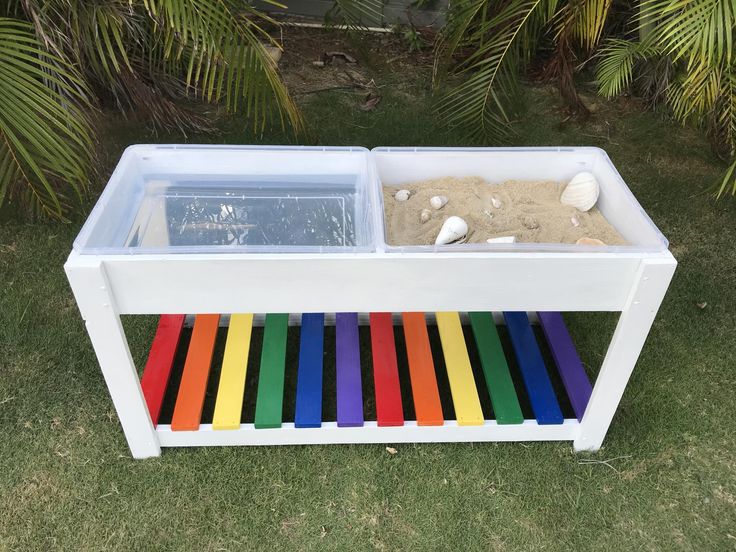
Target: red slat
(160, 359)
(389, 411)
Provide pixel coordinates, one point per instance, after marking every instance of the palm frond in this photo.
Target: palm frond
(45, 141)
(618, 58)
(501, 41)
(699, 31)
(355, 14)
(220, 47)
(582, 21)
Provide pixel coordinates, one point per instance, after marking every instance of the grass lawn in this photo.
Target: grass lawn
(68, 481)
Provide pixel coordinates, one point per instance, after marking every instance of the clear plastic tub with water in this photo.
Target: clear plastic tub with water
(199, 199)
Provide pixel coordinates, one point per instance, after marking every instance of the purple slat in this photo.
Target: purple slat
(567, 360)
(348, 381)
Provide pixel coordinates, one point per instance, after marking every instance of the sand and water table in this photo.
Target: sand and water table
(284, 317)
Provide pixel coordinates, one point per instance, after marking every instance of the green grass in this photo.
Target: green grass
(67, 480)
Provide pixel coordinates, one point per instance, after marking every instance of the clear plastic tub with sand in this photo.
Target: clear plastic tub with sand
(508, 192)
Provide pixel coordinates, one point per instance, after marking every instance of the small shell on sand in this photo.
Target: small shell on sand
(530, 222)
(402, 195)
(496, 202)
(575, 221)
(453, 229)
(438, 202)
(589, 241)
(502, 239)
(425, 215)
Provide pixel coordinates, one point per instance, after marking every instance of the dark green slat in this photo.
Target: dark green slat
(270, 399)
(496, 370)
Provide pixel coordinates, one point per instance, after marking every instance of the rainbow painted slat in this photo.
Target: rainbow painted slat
(309, 378)
(567, 360)
(270, 399)
(347, 370)
(495, 369)
(229, 404)
(389, 410)
(536, 379)
(422, 375)
(459, 371)
(190, 400)
(426, 397)
(160, 361)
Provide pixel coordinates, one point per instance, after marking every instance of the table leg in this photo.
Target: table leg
(631, 332)
(97, 305)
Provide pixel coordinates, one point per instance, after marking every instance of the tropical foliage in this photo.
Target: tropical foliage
(679, 53)
(58, 58)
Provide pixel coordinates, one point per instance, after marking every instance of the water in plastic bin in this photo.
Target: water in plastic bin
(261, 211)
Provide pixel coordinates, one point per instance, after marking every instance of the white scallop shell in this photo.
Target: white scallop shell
(581, 192)
(425, 215)
(502, 239)
(402, 195)
(453, 229)
(438, 202)
(496, 202)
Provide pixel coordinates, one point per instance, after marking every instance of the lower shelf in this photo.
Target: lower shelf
(330, 434)
(409, 382)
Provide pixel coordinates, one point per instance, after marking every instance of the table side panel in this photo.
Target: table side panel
(383, 283)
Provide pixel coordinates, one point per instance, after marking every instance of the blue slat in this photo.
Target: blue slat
(309, 378)
(536, 379)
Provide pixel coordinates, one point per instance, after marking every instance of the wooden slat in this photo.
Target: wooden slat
(190, 400)
(459, 372)
(309, 377)
(568, 362)
(270, 398)
(229, 403)
(536, 379)
(389, 410)
(424, 391)
(495, 369)
(160, 360)
(347, 370)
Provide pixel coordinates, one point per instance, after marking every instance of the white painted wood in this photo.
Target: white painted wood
(191, 284)
(329, 433)
(96, 302)
(631, 332)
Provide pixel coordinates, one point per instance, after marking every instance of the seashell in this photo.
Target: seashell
(502, 239)
(589, 241)
(581, 192)
(438, 202)
(425, 215)
(574, 221)
(530, 222)
(496, 202)
(402, 195)
(453, 229)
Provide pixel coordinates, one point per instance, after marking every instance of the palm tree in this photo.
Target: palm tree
(677, 52)
(687, 51)
(58, 58)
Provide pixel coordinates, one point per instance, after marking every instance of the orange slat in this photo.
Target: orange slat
(190, 400)
(421, 370)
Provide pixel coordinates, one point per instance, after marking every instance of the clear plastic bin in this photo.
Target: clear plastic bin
(207, 199)
(400, 166)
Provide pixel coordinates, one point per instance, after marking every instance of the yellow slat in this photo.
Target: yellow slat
(229, 403)
(459, 372)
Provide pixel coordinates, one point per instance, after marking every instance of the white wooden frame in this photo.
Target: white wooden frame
(109, 286)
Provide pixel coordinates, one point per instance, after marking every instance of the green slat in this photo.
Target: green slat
(496, 370)
(270, 399)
